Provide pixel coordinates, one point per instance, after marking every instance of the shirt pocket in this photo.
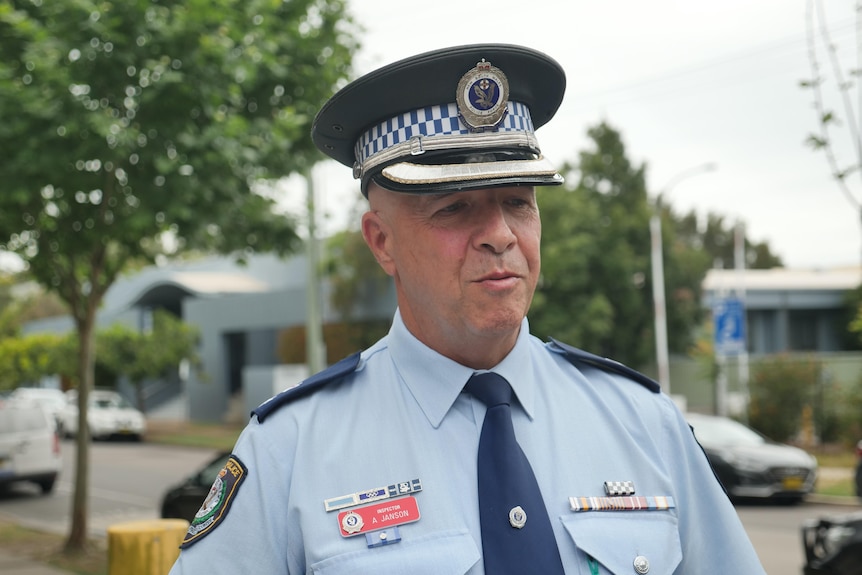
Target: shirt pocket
(434, 554)
(617, 539)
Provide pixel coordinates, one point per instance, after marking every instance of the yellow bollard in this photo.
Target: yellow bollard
(147, 547)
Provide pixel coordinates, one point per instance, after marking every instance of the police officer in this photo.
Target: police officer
(459, 443)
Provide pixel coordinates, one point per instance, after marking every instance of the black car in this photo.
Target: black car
(185, 499)
(833, 545)
(858, 477)
(750, 465)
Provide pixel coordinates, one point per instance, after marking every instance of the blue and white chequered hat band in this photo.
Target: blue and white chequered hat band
(439, 128)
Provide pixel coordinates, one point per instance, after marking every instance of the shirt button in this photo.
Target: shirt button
(641, 565)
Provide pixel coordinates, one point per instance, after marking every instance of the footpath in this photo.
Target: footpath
(16, 565)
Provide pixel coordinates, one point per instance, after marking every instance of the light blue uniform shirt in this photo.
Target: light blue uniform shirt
(402, 416)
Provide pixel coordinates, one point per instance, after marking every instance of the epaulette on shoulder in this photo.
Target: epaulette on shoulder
(332, 373)
(575, 355)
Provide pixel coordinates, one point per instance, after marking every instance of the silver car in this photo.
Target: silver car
(109, 414)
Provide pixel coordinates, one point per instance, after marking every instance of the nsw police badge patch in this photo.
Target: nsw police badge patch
(217, 502)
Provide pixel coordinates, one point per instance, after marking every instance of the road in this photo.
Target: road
(775, 531)
(128, 480)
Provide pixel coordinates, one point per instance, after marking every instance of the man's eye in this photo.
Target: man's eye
(452, 208)
(520, 202)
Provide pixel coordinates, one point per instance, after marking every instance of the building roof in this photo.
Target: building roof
(202, 278)
(783, 279)
(197, 283)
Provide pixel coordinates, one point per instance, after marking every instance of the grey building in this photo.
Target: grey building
(239, 310)
(788, 310)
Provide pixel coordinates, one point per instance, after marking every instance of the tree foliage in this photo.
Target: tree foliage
(595, 290)
(715, 237)
(123, 352)
(780, 388)
(134, 129)
(142, 356)
(356, 278)
(852, 316)
(29, 304)
(26, 360)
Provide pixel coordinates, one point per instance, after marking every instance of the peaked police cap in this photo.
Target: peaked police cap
(454, 119)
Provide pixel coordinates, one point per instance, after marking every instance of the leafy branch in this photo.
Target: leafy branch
(815, 14)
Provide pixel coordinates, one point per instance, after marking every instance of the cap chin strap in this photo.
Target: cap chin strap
(419, 145)
(460, 185)
(417, 174)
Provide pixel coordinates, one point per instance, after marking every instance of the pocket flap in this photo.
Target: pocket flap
(615, 539)
(446, 552)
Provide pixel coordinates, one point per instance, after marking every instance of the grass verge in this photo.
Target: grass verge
(47, 548)
(206, 435)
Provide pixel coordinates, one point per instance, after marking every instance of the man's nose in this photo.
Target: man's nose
(495, 234)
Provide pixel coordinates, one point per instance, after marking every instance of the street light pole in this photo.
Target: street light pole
(657, 265)
(315, 348)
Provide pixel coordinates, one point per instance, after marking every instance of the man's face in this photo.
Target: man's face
(465, 264)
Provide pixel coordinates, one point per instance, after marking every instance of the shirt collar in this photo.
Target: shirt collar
(436, 381)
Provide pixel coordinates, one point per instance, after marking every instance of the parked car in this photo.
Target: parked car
(184, 500)
(51, 399)
(833, 545)
(109, 414)
(858, 475)
(29, 445)
(750, 465)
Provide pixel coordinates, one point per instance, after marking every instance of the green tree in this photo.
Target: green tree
(852, 317)
(716, 238)
(594, 290)
(27, 359)
(781, 387)
(359, 286)
(357, 280)
(31, 303)
(136, 129)
(596, 286)
(9, 308)
(142, 356)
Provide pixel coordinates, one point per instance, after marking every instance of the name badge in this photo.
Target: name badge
(380, 516)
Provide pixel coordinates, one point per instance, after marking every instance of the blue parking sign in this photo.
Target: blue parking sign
(728, 316)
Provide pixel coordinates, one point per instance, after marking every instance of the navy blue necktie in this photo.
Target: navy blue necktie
(517, 536)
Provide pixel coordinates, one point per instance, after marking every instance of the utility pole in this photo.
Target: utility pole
(657, 265)
(739, 266)
(315, 348)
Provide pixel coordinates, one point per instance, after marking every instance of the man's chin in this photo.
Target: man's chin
(499, 324)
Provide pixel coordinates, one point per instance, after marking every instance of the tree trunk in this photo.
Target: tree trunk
(77, 539)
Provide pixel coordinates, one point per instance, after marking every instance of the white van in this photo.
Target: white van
(29, 445)
(52, 400)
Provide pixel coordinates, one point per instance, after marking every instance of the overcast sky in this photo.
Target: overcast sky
(685, 82)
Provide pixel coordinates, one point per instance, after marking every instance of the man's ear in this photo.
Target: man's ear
(377, 236)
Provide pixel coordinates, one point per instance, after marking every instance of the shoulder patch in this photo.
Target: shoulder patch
(575, 355)
(333, 372)
(217, 502)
